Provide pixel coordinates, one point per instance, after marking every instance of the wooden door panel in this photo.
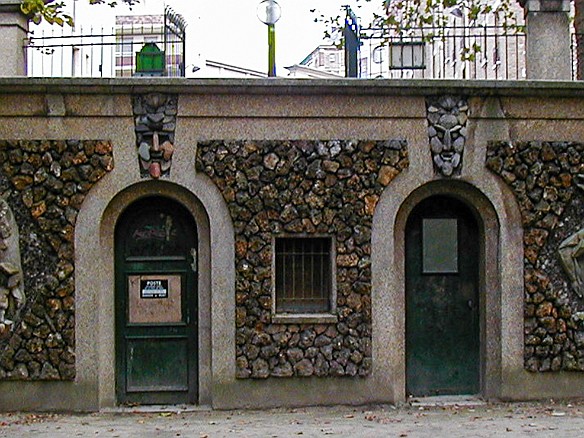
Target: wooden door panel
(156, 304)
(442, 324)
(159, 364)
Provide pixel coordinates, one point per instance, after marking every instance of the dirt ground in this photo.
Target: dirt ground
(543, 419)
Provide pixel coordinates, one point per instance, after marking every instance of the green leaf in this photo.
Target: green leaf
(53, 12)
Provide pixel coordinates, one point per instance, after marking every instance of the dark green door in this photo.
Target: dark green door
(442, 311)
(156, 304)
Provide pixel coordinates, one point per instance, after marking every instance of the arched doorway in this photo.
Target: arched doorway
(442, 299)
(156, 303)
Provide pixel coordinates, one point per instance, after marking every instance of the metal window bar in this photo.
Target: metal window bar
(303, 274)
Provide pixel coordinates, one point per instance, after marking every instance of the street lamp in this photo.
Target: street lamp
(269, 12)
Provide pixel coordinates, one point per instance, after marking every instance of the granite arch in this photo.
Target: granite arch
(95, 325)
(388, 267)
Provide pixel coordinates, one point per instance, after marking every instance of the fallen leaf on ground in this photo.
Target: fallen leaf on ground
(389, 420)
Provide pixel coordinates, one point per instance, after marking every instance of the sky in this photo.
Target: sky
(229, 31)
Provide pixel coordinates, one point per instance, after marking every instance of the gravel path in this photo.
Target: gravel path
(547, 419)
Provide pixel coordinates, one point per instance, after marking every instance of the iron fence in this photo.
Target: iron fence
(100, 52)
(451, 52)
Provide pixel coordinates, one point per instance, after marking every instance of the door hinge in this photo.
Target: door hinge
(194, 263)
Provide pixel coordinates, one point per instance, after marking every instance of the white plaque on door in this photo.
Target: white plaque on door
(439, 246)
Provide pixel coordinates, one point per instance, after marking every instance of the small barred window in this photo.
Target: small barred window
(303, 275)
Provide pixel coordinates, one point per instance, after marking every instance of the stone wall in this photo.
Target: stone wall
(544, 177)
(45, 183)
(302, 188)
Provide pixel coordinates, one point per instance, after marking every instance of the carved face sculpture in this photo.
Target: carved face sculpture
(447, 130)
(571, 251)
(12, 296)
(155, 158)
(155, 124)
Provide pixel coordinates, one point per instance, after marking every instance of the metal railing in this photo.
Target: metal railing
(451, 52)
(174, 42)
(99, 52)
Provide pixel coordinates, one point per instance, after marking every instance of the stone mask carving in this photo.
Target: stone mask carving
(570, 251)
(155, 123)
(12, 297)
(447, 117)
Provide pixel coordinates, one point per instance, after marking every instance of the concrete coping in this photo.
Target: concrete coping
(289, 86)
(304, 318)
(10, 5)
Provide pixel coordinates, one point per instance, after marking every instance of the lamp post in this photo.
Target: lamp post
(269, 12)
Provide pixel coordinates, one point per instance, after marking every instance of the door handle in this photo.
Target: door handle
(470, 304)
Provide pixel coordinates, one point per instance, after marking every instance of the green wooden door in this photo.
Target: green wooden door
(156, 304)
(442, 311)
